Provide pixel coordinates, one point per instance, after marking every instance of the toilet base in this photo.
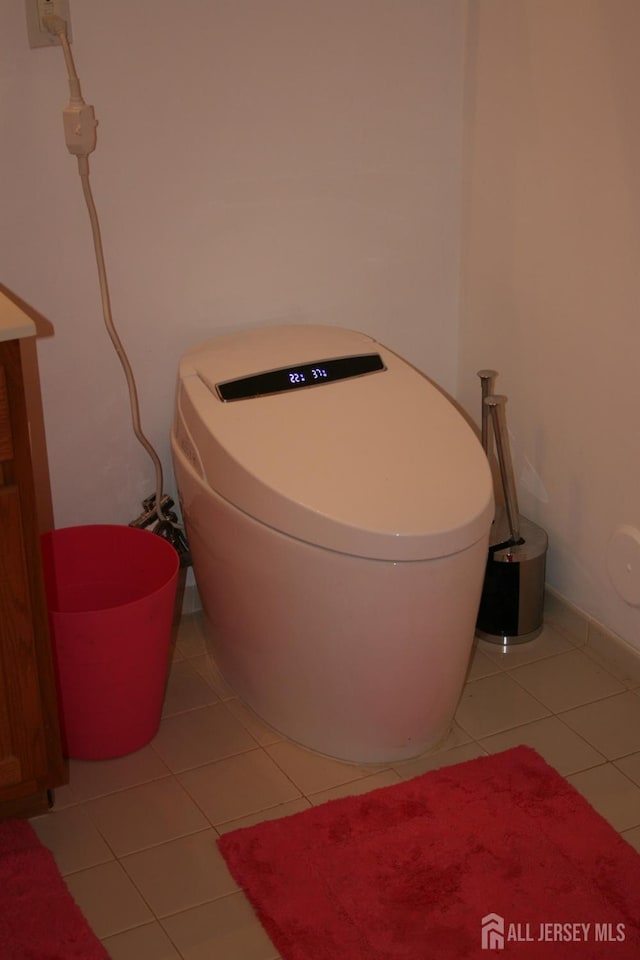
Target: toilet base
(361, 660)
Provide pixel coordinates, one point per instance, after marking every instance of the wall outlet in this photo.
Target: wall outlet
(37, 33)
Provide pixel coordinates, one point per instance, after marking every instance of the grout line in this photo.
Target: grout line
(473, 740)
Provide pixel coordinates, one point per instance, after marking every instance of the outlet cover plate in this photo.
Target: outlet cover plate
(35, 10)
(623, 563)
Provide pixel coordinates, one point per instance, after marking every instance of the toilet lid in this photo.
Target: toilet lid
(377, 464)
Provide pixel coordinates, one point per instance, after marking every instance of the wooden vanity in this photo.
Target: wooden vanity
(31, 761)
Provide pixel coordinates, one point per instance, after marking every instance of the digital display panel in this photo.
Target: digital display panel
(300, 376)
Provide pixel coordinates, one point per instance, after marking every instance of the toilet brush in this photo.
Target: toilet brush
(487, 378)
(499, 531)
(495, 404)
(512, 601)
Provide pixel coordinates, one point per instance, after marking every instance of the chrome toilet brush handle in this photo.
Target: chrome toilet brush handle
(486, 385)
(496, 405)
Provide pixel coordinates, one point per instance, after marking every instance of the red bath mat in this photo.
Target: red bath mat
(499, 855)
(39, 920)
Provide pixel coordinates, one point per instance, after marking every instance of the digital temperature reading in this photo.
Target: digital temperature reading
(300, 376)
(317, 373)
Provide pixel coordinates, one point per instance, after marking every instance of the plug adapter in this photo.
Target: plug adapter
(79, 129)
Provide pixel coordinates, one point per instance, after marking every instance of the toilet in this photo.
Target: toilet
(338, 508)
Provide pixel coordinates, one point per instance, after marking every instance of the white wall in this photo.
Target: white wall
(290, 159)
(551, 274)
(257, 160)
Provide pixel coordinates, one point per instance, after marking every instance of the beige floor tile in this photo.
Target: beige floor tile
(181, 874)
(548, 644)
(612, 726)
(238, 786)
(633, 837)
(561, 747)
(259, 730)
(186, 690)
(97, 778)
(454, 738)
(72, 838)
(558, 613)
(612, 794)
(143, 816)
(630, 766)
(149, 942)
(226, 928)
(312, 772)
(175, 654)
(200, 736)
(480, 665)
(620, 658)
(441, 758)
(191, 638)
(274, 813)
(208, 669)
(496, 703)
(157, 823)
(566, 681)
(108, 899)
(387, 778)
(64, 797)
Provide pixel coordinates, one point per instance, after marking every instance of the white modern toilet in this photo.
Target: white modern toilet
(338, 509)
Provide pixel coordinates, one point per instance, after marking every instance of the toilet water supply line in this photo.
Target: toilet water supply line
(80, 137)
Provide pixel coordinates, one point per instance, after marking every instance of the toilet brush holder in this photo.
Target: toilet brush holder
(512, 601)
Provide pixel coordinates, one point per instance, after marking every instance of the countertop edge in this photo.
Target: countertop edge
(14, 322)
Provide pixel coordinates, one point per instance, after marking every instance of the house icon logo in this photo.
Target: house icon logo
(493, 932)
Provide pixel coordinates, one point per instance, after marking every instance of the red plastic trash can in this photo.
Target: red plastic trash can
(111, 595)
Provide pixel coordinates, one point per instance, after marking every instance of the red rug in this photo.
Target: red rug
(499, 854)
(39, 920)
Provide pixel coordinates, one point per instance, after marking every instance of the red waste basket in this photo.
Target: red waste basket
(111, 595)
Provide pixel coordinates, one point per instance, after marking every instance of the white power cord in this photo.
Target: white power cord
(80, 136)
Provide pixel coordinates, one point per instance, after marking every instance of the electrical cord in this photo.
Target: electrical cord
(80, 136)
(83, 165)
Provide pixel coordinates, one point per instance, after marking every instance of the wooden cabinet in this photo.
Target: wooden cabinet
(31, 762)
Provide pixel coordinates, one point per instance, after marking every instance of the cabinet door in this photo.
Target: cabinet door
(30, 753)
(22, 748)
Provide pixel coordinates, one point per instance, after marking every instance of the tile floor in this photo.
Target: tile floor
(135, 837)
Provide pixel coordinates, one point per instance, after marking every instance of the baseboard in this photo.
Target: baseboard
(604, 646)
